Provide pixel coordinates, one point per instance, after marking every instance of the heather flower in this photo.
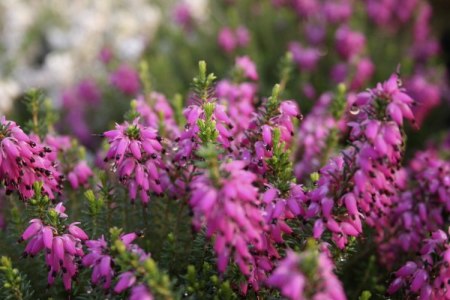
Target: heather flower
(135, 152)
(88, 91)
(399, 103)
(307, 275)
(239, 100)
(337, 11)
(306, 58)
(63, 246)
(105, 55)
(242, 36)
(126, 79)
(426, 93)
(182, 16)
(412, 220)
(314, 132)
(140, 292)
(228, 208)
(416, 276)
(349, 43)
(158, 114)
(24, 161)
(227, 40)
(247, 66)
(306, 8)
(190, 139)
(390, 12)
(102, 263)
(364, 178)
(79, 175)
(315, 33)
(424, 45)
(363, 73)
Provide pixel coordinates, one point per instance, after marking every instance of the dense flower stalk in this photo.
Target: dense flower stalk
(135, 152)
(228, 207)
(308, 275)
(24, 160)
(61, 243)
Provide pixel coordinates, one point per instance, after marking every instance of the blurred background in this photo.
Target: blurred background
(90, 57)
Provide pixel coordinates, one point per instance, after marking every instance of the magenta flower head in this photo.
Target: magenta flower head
(363, 73)
(24, 160)
(349, 43)
(229, 210)
(135, 152)
(79, 175)
(105, 55)
(308, 275)
(100, 261)
(400, 102)
(337, 11)
(126, 79)
(88, 91)
(242, 36)
(247, 66)
(63, 248)
(227, 40)
(140, 292)
(305, 58)
(182, 15)
(159, 111)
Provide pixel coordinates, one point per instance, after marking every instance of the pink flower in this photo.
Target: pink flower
(126, 79)
(349, 43)
(291, 277)
(140, 292)
(24, 160)
(135, 152)
(80, 174)
(242, 36)
(230, 213)
(245, 64)
(306, 58)
(227, 40)
(63, 249)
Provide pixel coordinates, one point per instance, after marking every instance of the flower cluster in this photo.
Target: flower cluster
(230, 39)
(230, 212)
(128, 263)
(360, 182)
(308, 275)
(136, 153)
(102, 264)
(24, 161)
(62, 244)
(427, 276)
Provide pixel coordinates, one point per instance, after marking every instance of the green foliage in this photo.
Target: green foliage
(177, 104)
(208, 132)
(132, 113)
(365, 295)
(94, 215)
(280, 172)
(43, 116)
(146, 270)
(203, 283)
(144, 74)
(273, 104)
(202, 84)
(13, 284)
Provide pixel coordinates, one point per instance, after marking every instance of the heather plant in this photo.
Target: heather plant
(301, 169)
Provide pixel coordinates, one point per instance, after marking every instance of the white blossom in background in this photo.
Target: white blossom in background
(198, 9)
(53, 43)
(8, 91)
